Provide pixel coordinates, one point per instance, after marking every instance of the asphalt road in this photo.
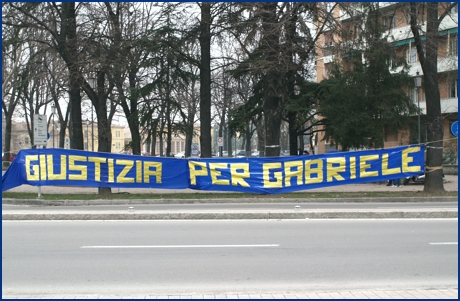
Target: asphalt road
(160, 257)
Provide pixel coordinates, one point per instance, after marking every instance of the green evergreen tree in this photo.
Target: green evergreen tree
(359, 103)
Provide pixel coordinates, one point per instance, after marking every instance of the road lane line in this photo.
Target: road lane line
(443, 243)
(182, 246)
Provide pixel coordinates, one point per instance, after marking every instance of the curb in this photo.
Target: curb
(235, 215)
(39, 202)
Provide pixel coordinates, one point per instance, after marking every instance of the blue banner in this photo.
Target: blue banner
(61, 167)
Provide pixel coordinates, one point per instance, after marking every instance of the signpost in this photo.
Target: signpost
(40, 131)
(220, 144)
(195, 149)
(40, 136)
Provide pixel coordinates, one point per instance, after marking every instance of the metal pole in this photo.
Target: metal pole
(87, 138)
(53, 130)
(92, 130)
(418, 101)
(39, 175)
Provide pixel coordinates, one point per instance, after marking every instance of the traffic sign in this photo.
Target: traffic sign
(220, 141)
(40, 132)
(195, 151)
(454, 128)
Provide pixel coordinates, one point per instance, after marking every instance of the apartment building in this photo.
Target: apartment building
(395, 18)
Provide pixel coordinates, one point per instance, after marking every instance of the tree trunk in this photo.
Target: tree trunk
(105, 140)
(271, 80)
(189, 134)
(168, 135)
(7, 146)
(221, 132)
(70, 54)
(248, 140)
(76, 128)
(261, 137)
(8, 113)
(205, 80)
(272, 119)
(229, 145)
(429, 63)
(135, 134)
(293, 146)
(291, 82)
(104, 135)
(62, 131)
(153, 143)
(133, 117)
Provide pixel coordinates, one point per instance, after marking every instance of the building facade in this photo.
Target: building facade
(20, 138)
(395, 18)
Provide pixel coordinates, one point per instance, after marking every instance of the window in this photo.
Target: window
(327, 70)
(117, 134)
(453, 88)
(391, 63)
(26, 140)
(411, 54)
(389, 22)
(357, 5)
(413, 94)
(328, 40)
(117, 145)
(453, 45)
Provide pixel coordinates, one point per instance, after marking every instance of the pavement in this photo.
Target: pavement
(52, 212)
(450, 184)
(68, 210)
(443, 293)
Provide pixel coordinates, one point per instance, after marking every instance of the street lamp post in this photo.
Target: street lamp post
(418, 84)
(92, 130)
(93, 84)
(87, 140)
(53, 111)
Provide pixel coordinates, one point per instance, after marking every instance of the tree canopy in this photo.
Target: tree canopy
(365, 92)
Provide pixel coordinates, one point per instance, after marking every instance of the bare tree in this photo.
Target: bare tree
(427, 51)
(12, 48)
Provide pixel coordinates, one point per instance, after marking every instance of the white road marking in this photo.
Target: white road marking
(443, 243)
(181, 246)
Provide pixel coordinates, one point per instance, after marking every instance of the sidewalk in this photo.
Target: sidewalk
(450, 184)
(127, 209)
(69, 210)
(447, 293)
